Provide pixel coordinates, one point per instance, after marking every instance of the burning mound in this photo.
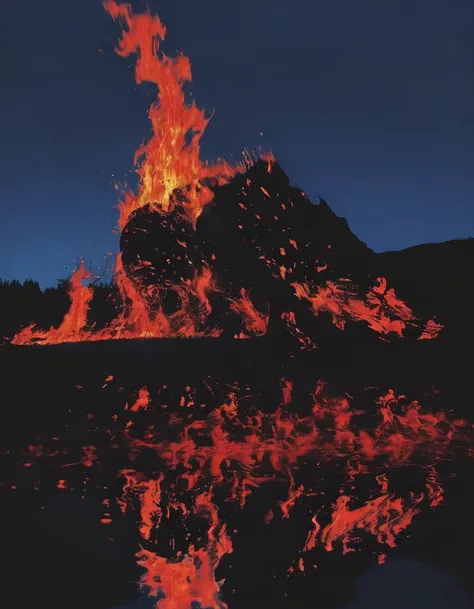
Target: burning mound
(264, 239)
(212, 250)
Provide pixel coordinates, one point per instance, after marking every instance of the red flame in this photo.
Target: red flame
(191, 578)
(170, 159)
(331, 431)
(141, 315)
(237, 450)
(255, 321)
(382, 310)
(71, 328)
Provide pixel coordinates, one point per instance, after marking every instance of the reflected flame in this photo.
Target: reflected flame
(238, 450)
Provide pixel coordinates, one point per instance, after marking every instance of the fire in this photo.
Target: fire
(431, 330)
(71, 328)
(199, 463)
(169, 160)
(191, 578)
(256, 322)
(381, 310)
(141, 315)
(168, 163)
(142, 401)
(402, 434)
(384, 517)
(173, 176)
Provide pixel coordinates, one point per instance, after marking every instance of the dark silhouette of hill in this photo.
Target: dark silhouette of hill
(436, 279)
(256, 225)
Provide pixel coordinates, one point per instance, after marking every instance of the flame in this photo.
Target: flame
(384, 517)
(238, 449)
(330, 431)
(142, 401)
(169, 160)
(75, 320)
(255, 321)
(431, 330)
(149, 492)
(381, 310)
(168, 163)
(190, 578)
(283, 439)
(141, 315)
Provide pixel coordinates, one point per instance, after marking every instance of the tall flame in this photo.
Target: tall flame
(169, 160)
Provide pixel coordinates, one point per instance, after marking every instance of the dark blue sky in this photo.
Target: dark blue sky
(369, 104)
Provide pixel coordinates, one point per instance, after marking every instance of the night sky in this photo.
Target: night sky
(369, 104)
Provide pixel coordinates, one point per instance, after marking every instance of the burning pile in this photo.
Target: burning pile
(215, 250)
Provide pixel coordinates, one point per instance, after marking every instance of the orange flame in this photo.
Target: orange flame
(384, 517)
(169, 160)
(141, 315)
(382, 310)
(142, 401)
(75, 320)
(265, 447)
(255, 321)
